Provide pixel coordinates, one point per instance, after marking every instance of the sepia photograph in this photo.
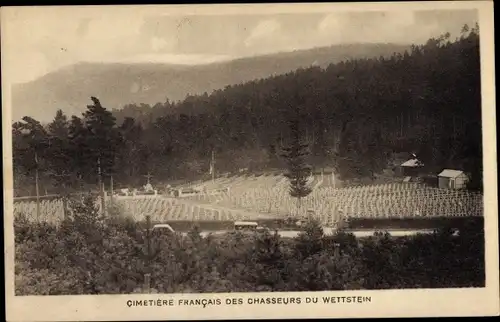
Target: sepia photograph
(264, 153)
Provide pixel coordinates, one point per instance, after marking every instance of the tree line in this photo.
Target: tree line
(352, 115)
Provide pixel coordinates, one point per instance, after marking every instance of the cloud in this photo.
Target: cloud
(270, 36)
(179, 59)
(264, 31)
(331, 28)
(369, 26)
(160, 44)
(332, 21)
(42, 39)
(51, 39)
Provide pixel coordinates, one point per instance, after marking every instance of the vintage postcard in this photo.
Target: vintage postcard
(204, 162)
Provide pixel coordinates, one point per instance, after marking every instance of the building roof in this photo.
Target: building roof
(412, 163)
(448, 173)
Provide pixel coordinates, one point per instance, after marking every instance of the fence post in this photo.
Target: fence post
(37, 193)
(148, 238)
(111, 190)
(147, 276)
(147, 283)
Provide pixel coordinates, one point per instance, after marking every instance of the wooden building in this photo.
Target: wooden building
(411, 168)
(452, 179)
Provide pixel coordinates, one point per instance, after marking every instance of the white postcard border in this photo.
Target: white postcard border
(386, 303)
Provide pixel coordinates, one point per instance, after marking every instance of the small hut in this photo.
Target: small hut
(452, 179)
(411, 168)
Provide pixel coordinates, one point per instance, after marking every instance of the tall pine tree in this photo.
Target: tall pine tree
(60, 171)
(78, 148)
(299, 171)
(103, 137)
(58, 150)
(29, 148)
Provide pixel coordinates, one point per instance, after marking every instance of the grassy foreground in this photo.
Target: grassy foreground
(89, 254)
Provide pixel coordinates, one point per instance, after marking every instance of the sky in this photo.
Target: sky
(42, 39)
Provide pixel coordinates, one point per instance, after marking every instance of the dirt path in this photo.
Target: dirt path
(251, 215)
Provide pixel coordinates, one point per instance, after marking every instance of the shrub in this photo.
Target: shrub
(89, 254)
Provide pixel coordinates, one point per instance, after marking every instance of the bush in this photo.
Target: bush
(88, 254)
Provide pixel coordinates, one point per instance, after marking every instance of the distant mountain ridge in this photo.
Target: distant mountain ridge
(118, 84)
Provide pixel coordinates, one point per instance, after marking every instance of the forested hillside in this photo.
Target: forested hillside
(353, 114)
(119, 84)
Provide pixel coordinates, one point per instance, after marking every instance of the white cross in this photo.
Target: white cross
(149, 176)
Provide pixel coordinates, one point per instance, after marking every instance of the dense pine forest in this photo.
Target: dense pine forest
(354, 115)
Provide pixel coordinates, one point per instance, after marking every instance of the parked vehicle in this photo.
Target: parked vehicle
(245, 225)
(162, 229)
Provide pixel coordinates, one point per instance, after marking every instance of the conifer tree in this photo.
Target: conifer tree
(30, 138)
(60, 170)
(78, 148)
(103, 137)
(298, 170)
